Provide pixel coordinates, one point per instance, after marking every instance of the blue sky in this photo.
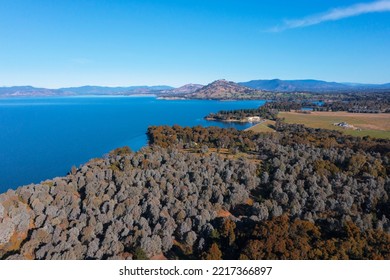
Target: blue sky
(120, 43)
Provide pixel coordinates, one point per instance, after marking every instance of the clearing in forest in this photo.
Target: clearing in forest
(375, 125)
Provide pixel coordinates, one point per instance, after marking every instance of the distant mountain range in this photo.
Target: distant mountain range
(96, 90)
(221, 89)
(310, 86)
(28, 91)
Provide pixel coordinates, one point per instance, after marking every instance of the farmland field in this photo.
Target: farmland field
(375, 125)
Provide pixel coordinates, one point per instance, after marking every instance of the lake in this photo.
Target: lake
(41, 138)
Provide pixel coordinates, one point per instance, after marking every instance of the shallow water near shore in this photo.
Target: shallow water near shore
(41, 138)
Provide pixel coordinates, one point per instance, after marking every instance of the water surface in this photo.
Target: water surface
(42, 138)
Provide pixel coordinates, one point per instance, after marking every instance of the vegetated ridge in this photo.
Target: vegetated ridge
(222, 90)
(186, 89)
(311, 86)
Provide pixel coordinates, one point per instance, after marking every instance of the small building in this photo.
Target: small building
(344, 125)
(254, 119)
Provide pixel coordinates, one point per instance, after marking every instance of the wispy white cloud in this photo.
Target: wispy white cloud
(336, 14)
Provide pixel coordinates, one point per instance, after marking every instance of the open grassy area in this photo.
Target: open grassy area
(375, 125)
(263, 127)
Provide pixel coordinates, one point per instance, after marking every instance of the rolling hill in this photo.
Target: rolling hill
(310, 86)
(222, 89)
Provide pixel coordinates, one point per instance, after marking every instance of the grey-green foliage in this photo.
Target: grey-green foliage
(143, 202)
(146, 200)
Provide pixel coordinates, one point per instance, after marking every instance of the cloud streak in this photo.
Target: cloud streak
(336, 14)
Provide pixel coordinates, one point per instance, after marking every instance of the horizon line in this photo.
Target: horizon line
(166, 85)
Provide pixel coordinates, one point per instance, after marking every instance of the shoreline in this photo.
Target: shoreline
(252, 126)
(10, 97)
(233, 121)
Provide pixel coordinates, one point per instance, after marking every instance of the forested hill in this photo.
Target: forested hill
(312, 86)
(211, 193)
(220, 90)
(223, 90)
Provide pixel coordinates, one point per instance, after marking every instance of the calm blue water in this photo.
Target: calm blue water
(42, 138)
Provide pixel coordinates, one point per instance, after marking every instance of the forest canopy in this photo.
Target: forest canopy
(211, 193)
